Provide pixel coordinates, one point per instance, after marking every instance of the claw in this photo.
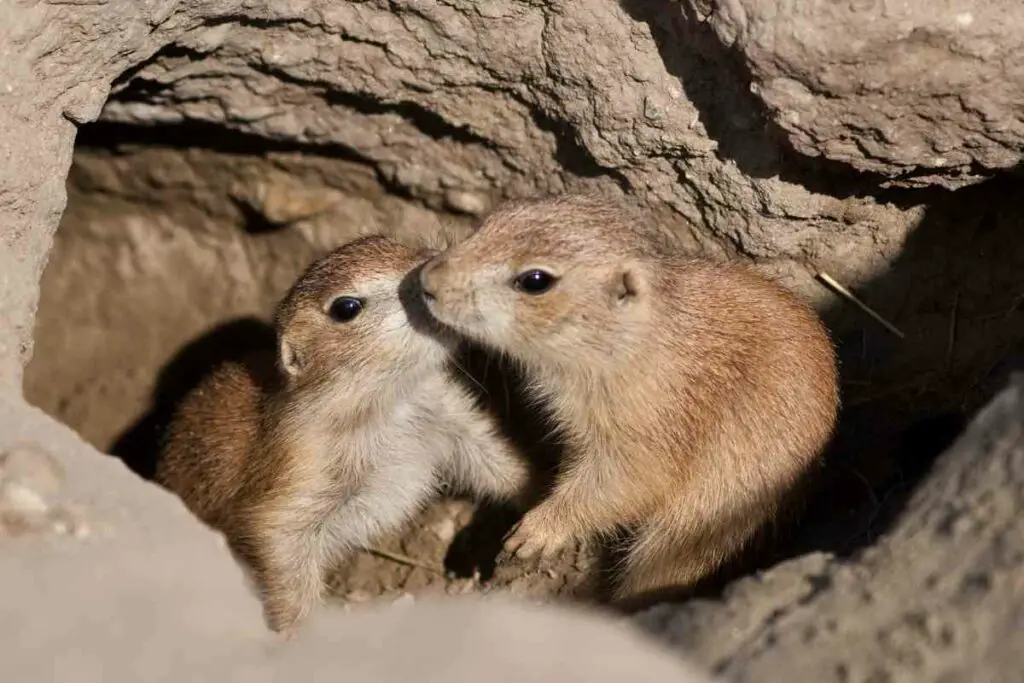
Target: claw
(532, 538)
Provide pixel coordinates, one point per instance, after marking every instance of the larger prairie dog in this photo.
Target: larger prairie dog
(691, 396)
(344, 440)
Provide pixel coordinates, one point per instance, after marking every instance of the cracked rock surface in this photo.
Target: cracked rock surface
(940, 598)
(919, 93)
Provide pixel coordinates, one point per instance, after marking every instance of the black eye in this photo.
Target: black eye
(344, 309)
(535, 281)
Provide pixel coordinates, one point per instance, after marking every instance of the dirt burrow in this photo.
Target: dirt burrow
(169, 258)
(238, 151)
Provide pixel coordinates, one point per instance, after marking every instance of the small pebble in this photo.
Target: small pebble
(15, 496)
(358, 596)
(471, 203)
(32, 467)
(30, 481)
(404, 600)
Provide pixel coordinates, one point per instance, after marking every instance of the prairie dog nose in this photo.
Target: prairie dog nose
(429, 278)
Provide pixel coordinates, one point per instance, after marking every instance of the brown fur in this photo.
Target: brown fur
(345, 440)
(204, 456)
(692, 396)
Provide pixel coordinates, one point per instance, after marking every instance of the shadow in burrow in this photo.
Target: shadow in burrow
(956, 292)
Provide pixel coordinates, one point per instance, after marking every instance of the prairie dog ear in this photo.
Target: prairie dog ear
(289, 358)
(628, 285)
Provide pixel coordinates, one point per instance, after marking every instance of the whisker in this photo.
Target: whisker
(504, 386)
(469, 376)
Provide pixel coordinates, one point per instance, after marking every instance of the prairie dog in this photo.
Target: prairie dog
(345, 439)
(691, 396)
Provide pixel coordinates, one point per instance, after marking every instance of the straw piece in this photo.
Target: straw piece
(402, 559)
(848, 295)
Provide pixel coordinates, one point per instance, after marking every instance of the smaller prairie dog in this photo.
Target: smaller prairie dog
(346, 440)
(691, 396)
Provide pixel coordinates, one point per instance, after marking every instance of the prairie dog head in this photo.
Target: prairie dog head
(354, 316)
(547, 279)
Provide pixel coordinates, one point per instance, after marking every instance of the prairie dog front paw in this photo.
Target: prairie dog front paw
(537, 536)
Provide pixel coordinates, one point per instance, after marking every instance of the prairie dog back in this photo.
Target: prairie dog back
(203, 458)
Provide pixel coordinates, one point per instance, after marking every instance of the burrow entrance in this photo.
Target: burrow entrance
(177, 242)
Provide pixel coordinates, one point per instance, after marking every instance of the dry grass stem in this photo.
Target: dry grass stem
(404, 560)
(849, 296)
